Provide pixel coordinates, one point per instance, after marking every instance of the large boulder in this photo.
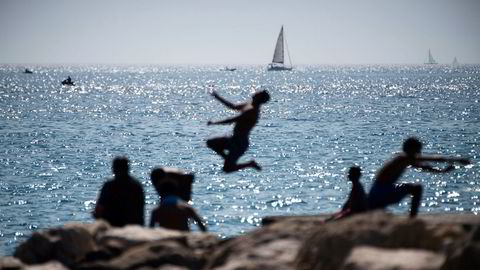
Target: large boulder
(134, 247)
(370, 258)
(67, 244)
(329, 245)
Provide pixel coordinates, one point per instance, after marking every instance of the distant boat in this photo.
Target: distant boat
(28, 71)
(455, 62)
(278, 61)
(430, 60)
(228, 69)
(68, 81)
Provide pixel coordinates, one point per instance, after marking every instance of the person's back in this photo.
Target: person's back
(173, 212)
(393, 169)
(246, 121)
(121, 201)
(174, 216)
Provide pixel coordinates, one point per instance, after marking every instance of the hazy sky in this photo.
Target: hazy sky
(238, 32)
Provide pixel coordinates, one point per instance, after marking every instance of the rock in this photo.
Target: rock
(52, 265)
(133, 247)
(467, 256)
(66, 245)
(10, 263)
(121, 239)
(154, 254)
(271, 247)
(370, 258)
(329, 245)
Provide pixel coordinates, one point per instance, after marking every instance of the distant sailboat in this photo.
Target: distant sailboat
(278, 61)
(430, 60)
(455, 62)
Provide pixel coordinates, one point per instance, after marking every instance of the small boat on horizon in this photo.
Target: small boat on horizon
(278, 61)
(430, 59)
(228, 69)
(27, 71)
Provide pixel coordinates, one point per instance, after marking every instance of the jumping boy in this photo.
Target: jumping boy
(238, 143)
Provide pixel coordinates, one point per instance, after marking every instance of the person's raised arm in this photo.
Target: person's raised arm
(227, 103)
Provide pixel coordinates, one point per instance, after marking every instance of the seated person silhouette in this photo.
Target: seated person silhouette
(357, 200)
(385, 191)
(121, 201)
(238, 143)
(173, 213)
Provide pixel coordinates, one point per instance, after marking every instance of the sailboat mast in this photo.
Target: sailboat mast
(288, 51)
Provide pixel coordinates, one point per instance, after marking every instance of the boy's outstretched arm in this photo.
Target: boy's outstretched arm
(434, 158)
(227, 103)
(429, 168)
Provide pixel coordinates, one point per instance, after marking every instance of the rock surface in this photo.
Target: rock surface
(369, 258)
(286, 243)
(376, 229)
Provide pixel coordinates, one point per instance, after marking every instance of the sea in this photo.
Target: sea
(57, 142)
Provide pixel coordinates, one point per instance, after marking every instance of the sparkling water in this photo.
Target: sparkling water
(57, 142)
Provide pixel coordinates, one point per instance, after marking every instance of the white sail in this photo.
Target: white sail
(430, 60)
(278, 54)
(278, 61)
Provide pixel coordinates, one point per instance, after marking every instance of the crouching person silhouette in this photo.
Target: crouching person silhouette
(385, 191)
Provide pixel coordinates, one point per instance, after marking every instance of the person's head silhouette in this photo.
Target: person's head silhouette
(412, 147)
(260, 97)
(120, 166)
(354, 173)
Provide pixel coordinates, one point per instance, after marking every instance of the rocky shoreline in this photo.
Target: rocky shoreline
(373, 241)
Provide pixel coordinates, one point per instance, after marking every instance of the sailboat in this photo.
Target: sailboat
(455, 62)
(430, 60)
(278, 61)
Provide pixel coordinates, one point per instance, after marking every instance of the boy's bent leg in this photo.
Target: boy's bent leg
(230, 167)
(218, 145)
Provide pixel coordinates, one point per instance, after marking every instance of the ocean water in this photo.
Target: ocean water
(57, 142)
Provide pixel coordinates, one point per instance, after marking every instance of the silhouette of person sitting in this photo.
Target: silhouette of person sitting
(173, 213)
(121, 201)
(357, 199)
(238, 143)
(385, 192)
